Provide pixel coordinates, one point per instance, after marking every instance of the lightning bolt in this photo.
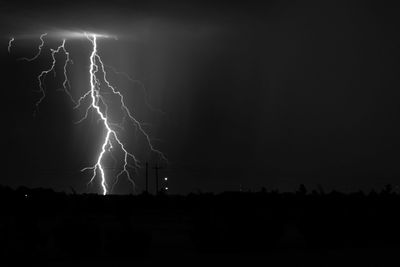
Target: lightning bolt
(10, 44)
(134, 81)
(96, 65)
(99, 83)
(44, 73)
(39, 49)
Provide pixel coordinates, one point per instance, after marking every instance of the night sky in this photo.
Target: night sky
(274, 94)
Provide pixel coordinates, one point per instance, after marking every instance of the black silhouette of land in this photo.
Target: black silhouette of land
(306, 228)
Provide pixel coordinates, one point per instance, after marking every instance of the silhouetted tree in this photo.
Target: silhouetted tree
(302, 190)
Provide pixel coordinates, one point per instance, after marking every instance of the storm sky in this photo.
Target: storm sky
(253, 95)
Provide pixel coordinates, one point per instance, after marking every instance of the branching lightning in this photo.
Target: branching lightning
(39, 49)
(44, 73)
(98, 104)
(132, 80)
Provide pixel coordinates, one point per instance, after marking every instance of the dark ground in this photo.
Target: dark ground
(247, 228)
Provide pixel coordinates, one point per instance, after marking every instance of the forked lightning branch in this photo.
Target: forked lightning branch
(97, 99)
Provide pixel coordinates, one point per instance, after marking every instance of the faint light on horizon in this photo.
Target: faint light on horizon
(67, 34)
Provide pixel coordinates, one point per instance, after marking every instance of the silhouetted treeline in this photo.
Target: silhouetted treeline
(43, 224)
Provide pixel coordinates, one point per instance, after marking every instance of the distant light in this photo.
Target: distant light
(166, 188)
(26, 195)
(166, 178)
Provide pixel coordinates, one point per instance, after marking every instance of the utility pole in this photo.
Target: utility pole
(147, 177)
(157, 168)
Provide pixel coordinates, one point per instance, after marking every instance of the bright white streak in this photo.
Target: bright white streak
(110, 133)
(10, 44)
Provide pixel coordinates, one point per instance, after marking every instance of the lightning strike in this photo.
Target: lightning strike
(39, 49)
(134, 81)
(10, 44)
(44, 73)
(98, 104)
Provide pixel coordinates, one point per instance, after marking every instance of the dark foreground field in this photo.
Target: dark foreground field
(40, 227)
